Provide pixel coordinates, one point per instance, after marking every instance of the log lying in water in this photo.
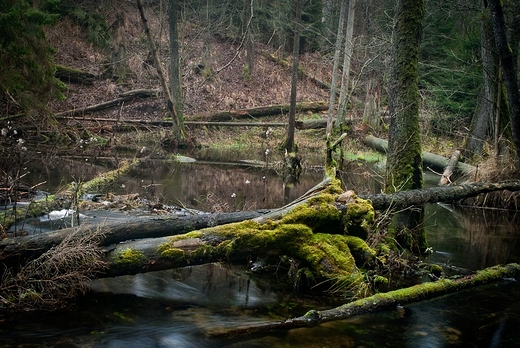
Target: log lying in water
(15, 251)
(378, 302)
(430, 160)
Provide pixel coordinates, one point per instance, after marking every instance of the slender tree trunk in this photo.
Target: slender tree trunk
(404, 169)
(250, 53)
(509, 71)
(289, 143)
(167, 91)
(175, 73)
(333, 84)
(347, 58)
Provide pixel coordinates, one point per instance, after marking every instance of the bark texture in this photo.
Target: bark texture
(508, 69)
(404, 164)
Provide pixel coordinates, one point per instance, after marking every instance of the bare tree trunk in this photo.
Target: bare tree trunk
(485, 113)
(118, 69)
(347, 58)
(175, 74)
(337, 51)
(250, 53)
(509, 71)
(289, 143)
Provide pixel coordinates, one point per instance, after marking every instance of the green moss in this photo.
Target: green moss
(317, 214)
(129, 256)
(168, 252)
(363, 254)
(359, 217)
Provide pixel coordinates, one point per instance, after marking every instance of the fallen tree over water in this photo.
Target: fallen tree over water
(378, 302)
(15, 250)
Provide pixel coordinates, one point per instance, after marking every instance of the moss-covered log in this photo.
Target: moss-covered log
(16, 251)
(379, 301)
(322, 256)
(260, 111)
(64, 198)
(431, 160)
(71, 75)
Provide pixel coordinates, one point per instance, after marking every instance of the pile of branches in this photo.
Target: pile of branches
(57, 276)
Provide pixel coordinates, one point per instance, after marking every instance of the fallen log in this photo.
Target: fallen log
(71, 193)
(22, 248)
(430, 160)
(127, 96)
(71, 75)
(448, 171)
(377, 302)
(260, 111)
(446, 194)
(15, 251)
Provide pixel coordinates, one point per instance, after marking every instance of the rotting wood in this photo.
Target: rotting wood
(448, 171)
(71, 75)
(251, 113)
(269, 110)
(14, 251)
(377, 302)
(434, 161)
(124, 97)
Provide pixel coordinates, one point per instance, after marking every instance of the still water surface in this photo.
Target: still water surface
(178, 308)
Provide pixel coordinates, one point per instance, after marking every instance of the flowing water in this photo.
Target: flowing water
(178, 308)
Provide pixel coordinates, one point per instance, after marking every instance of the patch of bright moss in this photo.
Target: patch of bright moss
(362, 253)
(168, 252)
(317, 214)
(129, 256)
(359, 217)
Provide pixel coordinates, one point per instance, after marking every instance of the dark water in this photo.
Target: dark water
(179, 308)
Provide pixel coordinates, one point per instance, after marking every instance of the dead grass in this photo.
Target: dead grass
(57, 276)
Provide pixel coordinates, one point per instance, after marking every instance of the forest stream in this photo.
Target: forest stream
(179, 308)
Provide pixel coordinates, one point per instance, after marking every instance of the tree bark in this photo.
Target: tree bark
(509, 71)
(446, 194)
(347, 58)
(16, 251)
(377, 302)
(71, 75)
(337, 52)
(289, 142)
(123, 97)
(177, 131)
(404, 163)
(175, 74)
(260, 111)
(448, 171)
(484, 116)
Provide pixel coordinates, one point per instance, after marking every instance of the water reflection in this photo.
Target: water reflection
(472, 238)
(177, 308)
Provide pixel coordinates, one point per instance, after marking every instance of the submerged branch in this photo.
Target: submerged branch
(379, 301)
